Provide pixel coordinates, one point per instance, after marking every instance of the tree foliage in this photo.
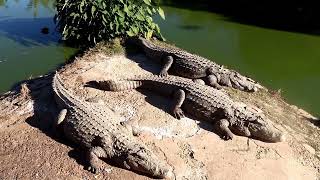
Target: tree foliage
(90, 21)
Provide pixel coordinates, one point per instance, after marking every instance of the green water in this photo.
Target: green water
(24, 50)
(277, 59)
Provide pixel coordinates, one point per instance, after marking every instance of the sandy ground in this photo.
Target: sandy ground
(30, 150)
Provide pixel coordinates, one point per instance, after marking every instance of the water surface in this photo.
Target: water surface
(24, 50)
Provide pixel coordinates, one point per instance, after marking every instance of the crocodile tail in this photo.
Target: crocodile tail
(139, 41)
(135, 41)
(112, 85)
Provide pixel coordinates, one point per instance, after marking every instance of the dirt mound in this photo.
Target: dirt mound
(30, 150)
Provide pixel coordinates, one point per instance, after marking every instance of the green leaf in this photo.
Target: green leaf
(140, 16)
(130, 33)
(149, 34)
(149, 11)
(125, 9)
(81, 6)
(161, 13)
(120, 13)
(111, 25)
(104, 19)
(93, 9)
(135, 30)
(148, 2)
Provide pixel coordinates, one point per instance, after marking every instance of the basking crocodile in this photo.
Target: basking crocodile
(204, 103)
(185, 64)
(96, 129)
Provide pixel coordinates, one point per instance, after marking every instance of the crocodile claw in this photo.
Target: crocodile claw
(178, 113)
(94, 169)
(163, 74)
(227, 137)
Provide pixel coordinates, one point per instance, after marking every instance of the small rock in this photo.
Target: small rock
(309, 148)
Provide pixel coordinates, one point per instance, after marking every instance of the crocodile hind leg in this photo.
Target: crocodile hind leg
(179, 96)
(61, 116)
(168, 60)
(223, 125)
(60, 119)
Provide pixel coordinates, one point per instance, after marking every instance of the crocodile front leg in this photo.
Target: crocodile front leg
(101, 148)
(223, 125)
(237, 85)
(243, 83)
(179, 96)
(93, 157)
(212, 80)
(168, 60)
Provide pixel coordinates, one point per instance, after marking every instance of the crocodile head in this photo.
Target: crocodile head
(143, 161)
(251, 122)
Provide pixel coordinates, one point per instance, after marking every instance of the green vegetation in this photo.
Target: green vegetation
(88, 22)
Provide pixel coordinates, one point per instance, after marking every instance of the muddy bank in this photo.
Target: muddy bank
(30, 149)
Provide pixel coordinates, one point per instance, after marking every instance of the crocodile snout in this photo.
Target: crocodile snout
(266, 132)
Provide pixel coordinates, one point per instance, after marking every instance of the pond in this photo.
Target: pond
(278, 59)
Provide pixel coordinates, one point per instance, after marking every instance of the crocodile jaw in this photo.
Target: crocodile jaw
(141, 163)
(266, 132)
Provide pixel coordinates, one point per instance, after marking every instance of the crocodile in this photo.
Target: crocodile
(182, 63)
(97, 130)
(204, 103)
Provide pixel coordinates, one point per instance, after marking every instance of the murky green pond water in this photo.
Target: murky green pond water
(277, 59)
(24, 50)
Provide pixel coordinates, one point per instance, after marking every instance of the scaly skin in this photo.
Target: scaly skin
(205, 103)
(188, 65)
(98, 130)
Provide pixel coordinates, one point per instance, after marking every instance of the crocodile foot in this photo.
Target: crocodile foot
(163, 74)
(95, 169)
(178, 113)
